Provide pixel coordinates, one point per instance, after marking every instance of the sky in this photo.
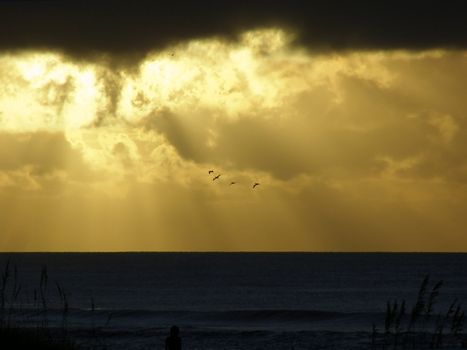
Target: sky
(351, 117)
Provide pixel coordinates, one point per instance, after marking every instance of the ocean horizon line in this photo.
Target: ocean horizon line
(231, 252)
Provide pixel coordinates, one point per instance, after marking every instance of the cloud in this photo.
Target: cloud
(352, 114)
(44, 151)
(354, 150)
(127, 29)
(348, 122)
(40, 161)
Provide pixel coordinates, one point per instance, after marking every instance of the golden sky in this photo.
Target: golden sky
(354, 150)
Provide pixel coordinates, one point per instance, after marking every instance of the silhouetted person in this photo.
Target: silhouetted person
(173, 341)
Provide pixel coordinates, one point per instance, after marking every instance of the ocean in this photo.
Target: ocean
(224, 300)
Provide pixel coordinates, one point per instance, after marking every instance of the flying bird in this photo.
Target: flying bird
(233, 183)
(216, 177)
(210, 172)
(256, 184)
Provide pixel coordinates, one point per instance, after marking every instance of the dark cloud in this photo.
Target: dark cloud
(263, 143)
(135, 27)
(43, 152)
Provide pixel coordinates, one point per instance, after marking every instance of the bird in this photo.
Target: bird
(210, 172)
(216, 177)
(256, 184)
(233, 183)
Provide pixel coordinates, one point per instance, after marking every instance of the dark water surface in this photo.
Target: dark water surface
(231, 300)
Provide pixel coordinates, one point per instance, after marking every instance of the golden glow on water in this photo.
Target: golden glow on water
(354, 151)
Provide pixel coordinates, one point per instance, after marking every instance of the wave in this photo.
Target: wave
(269, 315)
(275, 320)
(210, 316)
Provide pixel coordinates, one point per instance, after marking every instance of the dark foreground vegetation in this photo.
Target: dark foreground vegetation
(37, 339)
(38, 336)
(421, 326)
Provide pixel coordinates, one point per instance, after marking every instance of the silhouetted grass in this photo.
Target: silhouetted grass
(39, 337)
(423, 327)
